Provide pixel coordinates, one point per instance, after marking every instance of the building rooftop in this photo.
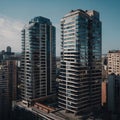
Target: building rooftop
(87, 13)
(40, 19)
(114, 51)
(53, 113)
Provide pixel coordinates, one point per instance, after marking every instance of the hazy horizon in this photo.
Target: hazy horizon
(15, 14)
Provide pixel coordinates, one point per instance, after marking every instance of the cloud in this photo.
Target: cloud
(10, 33)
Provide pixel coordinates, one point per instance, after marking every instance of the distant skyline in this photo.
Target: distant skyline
(15, 14)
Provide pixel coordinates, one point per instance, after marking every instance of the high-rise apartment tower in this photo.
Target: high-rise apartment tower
(80, 71)
(38, 63)
(114, 62)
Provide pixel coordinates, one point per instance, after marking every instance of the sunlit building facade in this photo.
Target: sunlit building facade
(80, 70)
(38, 63)
(113, 62)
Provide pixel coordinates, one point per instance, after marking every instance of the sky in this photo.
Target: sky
(14, 14)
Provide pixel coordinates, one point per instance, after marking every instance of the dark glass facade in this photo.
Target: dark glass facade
(80, 71)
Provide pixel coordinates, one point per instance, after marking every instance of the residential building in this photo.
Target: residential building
(81, 69)
(8, 84)
(38, 62)
(104, 67)
(113, 61)
(4, 92)
(104, 93)
(13, 77)
(113, 93)
(6, 54)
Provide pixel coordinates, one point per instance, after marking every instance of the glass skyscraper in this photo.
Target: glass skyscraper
(38, 63)
(80, 70)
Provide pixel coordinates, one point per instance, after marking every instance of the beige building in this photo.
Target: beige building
(103, 92)
(114, 62)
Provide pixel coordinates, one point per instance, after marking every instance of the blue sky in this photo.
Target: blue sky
(15, 13)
